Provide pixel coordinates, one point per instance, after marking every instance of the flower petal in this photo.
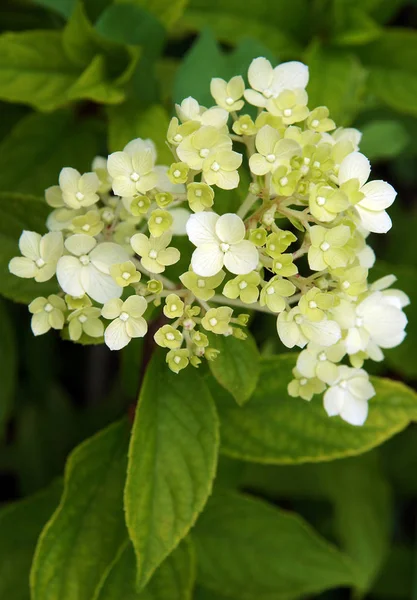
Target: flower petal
(354, 411)
(255, 98)
(23, 267)
(230, 228)
(107, 254)
(68, 180)
(201, 228)
(333, 401)
(226, 180)
(378, 195)
(355, 166)
(112, 308)
(373, 221)
(116, 336)
(135, 306)
(260, 74)
(241, 258)
(289, 76)
(136, 327)
(124, 186)
(119, 164)
(139, 145)
(29, 244)
(40, 323)
(52, 246)
(140, 243)
(68, 272)
(207, 260)
(89, 183)
(99, 286)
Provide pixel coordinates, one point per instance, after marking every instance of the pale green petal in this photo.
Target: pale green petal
(169, 256)
(75, 329)
(230, 228)
(112, 308)
(29, 244)
(56, 319)
(23, 267)
(136, 327)
(94, 328)
(80, 244)
(116, 336)
(40, 323)
(135, 306)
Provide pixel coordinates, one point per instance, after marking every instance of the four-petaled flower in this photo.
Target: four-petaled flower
(154, 252)
(133, 169)
(40, 255)
(220, 242)
(127, 321)
(267, 82)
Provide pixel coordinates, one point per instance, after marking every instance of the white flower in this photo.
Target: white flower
(190, 110)
(378, 195)
(349, 395)
(319, 362)
(133, 169)
(88, 270)
(295, 329)
(347, 134)
(267, 82)
(77, 190)
(47, 313)
(127, 321)
(273, 151)
(198, 146)
(40, 255)
(155, 252)
(228, 94)
(220, 242)
(221, 169)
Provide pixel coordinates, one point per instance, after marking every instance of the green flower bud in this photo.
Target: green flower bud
(217, 319)
(140, 205)
(159, 222)
(195, 361)
(239, 333)
(199, 339)
(174, 306)
(211, 353)
(155, 286)
(178, 359)
(178, 172)
(107, 215)
(168, 337)
(258, 236)
(243, 319)
(200, 196)
(125, 273)
(163, 199)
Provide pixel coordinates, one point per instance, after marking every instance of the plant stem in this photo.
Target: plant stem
(246, 205)
(238, 303)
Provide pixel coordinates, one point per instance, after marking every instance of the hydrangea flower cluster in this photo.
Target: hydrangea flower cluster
(296, 248)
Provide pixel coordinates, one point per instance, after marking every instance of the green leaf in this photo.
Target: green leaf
(21, 524)
(128, 121)
(87, 530)
(63, 7)
(172, 462)
(20, 212)
(278, 25)
(352, 25)
(34, 69)
(173, 580)
(397, 576)
(167, 11)
(277, 429)
(206, 60)
(249, 550)
(382, 140)
(39, 146)
(237, 366)
(392, 64)
(8, 366)
(402, 358)
(202, 593)
(336, 81)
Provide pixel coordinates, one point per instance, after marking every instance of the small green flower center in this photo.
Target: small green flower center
(48, 307)
(201, 283)
(158, 220)
(82, 318)
(322, 356)
(177, 173)
(243, 285)
(178, 137)
(315, 123)
(270, 158)
(213, 321)
(126, 275)
(270, 290)
(312, 304)
(86, 227)
(283, 180)
(170, 337)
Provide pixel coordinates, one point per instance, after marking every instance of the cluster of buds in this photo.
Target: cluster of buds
(296, 248)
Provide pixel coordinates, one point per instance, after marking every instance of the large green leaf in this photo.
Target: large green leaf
(279, 25)
(173, 580)
(20, 525)
(172, 462)
(237, 366)
(336, 81)
(392, 63)
(383, 139)
(167, 11)
(206, 60)
(127, 122)
(397, 578)
(8, 365)
(87, 530)
(249, 550)
(277, 429)
(39, 146)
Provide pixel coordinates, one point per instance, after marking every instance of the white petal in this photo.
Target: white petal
(255, 98)
(139, 145)
(289, 332)
(356, 340)
(260, 74)
(68, 272)
(324, 333)
(201, 228)
(164, 184)
(23, 267)
(107, 254)
(40, 323)
(89, 183)
(216, 117)
(136, 327)
(354, 411)
(218, 88)
(366, 257)
(241, 258)
(135, 306)
(384, 323)
(180, 217)
(124, 186)
(355, 166)
(207, 260)
(375, 222)
(68, 180)
(52, 246)
(119, 164)
(189, 110)
(230, 228)
(378, 195)
(112, 308)
(226, 180)
(333, 400)
(259, 165)
(306, 364)
(99, 286)
(289, 76)
(80, 244)
(29, 244)
(116, 336)
(360, 387)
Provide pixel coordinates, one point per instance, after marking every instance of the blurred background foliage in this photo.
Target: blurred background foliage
(80, 79)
